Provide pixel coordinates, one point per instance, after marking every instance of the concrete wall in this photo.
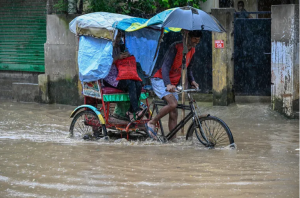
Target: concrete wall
(285, 59)
(250, 6)
(208, 5)
(8, 78)
(61, 61)
(222, 59)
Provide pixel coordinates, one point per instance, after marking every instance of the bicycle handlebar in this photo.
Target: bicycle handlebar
(191, 90)
(179, 89)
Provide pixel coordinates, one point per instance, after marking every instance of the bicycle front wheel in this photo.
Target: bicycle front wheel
(86, 125)
(211, 132)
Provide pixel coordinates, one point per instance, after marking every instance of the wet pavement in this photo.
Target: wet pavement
(37, 159)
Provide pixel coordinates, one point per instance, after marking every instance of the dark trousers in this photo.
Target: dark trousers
(134, 89)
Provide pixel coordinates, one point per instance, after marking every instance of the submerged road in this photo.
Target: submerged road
(37, 159)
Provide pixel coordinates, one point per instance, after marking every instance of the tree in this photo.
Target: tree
(142, 8)
(139, 8)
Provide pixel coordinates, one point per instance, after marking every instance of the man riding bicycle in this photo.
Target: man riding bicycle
(164, 81)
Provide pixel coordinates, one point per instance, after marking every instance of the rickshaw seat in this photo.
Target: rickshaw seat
(111, 94)
(111, 90)
(94, 90)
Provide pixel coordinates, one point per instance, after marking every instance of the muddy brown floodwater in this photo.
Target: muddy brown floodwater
(38, 160)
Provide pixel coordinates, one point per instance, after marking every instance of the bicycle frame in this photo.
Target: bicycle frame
(191, 114)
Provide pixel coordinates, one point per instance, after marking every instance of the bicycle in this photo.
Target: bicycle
(211, 131)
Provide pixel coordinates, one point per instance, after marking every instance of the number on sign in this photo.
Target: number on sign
(219, 44)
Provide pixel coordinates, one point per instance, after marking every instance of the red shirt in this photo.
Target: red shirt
(175, 70)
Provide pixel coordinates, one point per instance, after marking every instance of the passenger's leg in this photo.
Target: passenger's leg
(122, 85)
(134, 95)
(139, 87)
(130, 86)
(141, 111)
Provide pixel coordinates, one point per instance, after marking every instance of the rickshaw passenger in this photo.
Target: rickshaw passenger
(168, 76)
(133, 87)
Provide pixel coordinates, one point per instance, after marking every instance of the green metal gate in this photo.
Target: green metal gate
(22, 35)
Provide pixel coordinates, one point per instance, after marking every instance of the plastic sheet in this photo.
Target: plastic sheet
(143, 44)
(94, 58)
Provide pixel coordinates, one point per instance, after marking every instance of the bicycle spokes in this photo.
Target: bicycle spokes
(214, 133)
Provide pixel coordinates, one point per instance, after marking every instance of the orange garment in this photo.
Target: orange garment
(175, 71)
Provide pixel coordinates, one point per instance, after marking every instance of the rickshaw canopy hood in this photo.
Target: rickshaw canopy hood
(97, 24)
(97, 32)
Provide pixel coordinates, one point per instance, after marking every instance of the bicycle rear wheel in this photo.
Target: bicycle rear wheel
(86, 125)
(214, 134)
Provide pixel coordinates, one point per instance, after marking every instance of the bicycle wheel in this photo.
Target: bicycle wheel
(214, 134)
(86, 125)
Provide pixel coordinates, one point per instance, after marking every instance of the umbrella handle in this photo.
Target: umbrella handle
(183, 83)
(183, 74)
(185, 41)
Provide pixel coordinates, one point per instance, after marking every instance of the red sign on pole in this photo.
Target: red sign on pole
(219, 44)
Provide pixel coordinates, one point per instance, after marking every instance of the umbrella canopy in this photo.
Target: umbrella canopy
(190, 18)
(174, 19)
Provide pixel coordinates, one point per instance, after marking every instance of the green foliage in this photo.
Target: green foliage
(179, 3)
(142, 8)
(61, 6)
(103, 6)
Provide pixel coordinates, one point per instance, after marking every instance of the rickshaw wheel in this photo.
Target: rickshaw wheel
(86, 125)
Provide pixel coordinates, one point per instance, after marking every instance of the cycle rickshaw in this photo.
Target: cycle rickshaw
(94, 118)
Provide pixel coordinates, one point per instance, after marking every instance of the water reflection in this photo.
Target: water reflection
(38, 160)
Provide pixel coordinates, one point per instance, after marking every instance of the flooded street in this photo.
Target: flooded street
(37, 159)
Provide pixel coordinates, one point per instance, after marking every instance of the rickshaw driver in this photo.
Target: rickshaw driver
(168, 76)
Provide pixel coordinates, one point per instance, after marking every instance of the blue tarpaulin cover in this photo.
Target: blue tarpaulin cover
(143, 44)
(94, 58)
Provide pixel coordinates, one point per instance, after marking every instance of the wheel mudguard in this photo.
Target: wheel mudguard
(94, 109)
